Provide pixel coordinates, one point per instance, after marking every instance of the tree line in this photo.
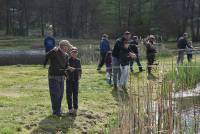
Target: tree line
(90, 18)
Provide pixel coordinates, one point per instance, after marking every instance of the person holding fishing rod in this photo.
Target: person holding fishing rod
(72, 82)
(56, 74)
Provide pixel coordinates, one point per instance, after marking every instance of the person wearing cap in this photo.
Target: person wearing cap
(133, 48)
(182, 44)
(104, 48)
(115, 58)
(150, 52)
(72, 82)
(108, 61)
(58, 63)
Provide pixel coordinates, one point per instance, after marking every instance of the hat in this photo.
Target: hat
(127, 32)
(151, 37)
(135, 37)
(105, 35)
(74, 49)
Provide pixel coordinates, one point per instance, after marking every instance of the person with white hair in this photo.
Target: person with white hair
(56, 73)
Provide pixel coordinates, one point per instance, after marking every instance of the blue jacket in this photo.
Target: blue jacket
(49, 43)
(104, 46)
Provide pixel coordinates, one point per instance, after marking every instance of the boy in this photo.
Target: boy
(108, 61)
(73, 82)
(124, 59)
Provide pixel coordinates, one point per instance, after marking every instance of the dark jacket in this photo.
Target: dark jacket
(104, 46)
(75, 75)
(133, 42)
(124, 58)
(58, 62)
(133, 48)
(150, 49)
(117, 47)
(182, 43)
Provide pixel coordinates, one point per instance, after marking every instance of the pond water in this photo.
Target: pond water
(187, 108)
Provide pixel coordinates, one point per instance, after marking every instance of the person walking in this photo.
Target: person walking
(104, 49)
(133, 48)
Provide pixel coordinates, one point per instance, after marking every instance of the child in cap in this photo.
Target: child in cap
(108, 61)
(72, 82)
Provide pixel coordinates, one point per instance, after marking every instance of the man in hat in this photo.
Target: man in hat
(181, 45)
(73, 82)
(58, 63)
(104, 49)
(150, 52)
(116, 56)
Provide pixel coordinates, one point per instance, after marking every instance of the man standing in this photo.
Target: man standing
(58, 63)
(133, 48)
(104, 48)
(115, 58)
(181, 45)
(150, 52)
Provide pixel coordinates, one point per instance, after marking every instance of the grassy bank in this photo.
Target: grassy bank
(150, 106)
(25, 102)
(185, 76)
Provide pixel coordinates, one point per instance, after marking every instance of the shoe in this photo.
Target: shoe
(115, 87)
(70, 112)
(124, 88)
(142, 70)
(75, 112)
(120, 89)
(131, 70)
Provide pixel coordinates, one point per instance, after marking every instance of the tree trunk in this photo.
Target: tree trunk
(198, 24)
(192, 20)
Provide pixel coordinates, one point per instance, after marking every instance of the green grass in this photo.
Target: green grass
(25, 102)
(27, 43)
(185, 76)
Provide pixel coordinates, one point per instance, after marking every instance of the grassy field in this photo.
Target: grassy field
(25, 102)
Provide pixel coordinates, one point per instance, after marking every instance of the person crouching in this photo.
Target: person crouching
(72, 82)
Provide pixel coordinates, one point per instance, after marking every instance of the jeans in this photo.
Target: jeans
(116, 71)
(180, 57)
(124, 75)
(56, 89)
(72, 94)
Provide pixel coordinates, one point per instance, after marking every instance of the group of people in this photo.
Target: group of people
(122, 56)
(64, 67)
(184, 45)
